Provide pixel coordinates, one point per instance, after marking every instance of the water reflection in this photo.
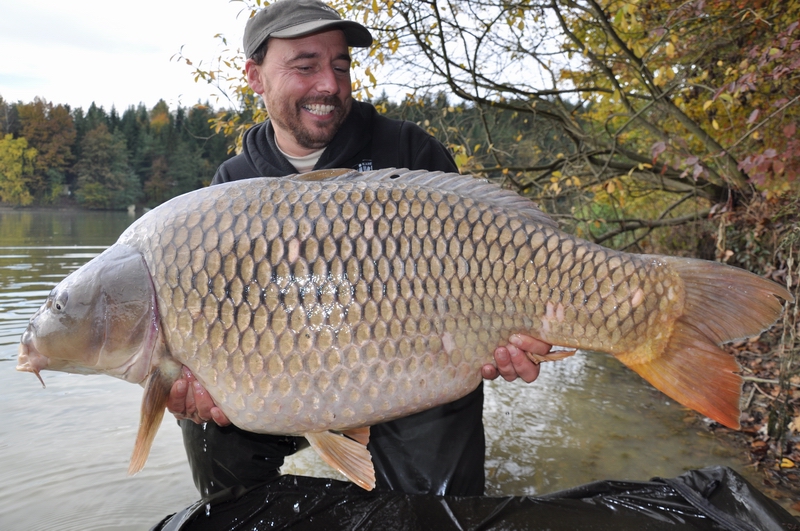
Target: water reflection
(66, 447)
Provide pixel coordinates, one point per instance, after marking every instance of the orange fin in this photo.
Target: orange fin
(696, 373)
(553, 355)
(345, 455)
(154, 402)
(721, 304)
(728, 303)
(360, 435)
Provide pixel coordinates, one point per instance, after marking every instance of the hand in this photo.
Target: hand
(190, 400)
(513, 362)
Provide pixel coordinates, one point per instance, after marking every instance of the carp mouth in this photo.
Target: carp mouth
(29, 359)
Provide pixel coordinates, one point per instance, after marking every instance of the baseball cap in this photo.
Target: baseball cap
(285, 19)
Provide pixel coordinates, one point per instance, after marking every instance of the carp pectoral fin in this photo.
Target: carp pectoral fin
(345, 455)
(154, 402)
(360, 435)
(696, 373)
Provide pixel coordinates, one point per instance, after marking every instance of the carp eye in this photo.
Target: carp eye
(59, 302)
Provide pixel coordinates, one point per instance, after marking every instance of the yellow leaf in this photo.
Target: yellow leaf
(756, 135)
(670, 50)
(374, 6)
(610, 187)
(787, 463)
(707, 104)
(371, 76)
(715, 125)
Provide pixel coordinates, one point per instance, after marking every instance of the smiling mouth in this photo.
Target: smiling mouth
(319, 109)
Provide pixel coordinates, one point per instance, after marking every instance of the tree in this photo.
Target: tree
(51, 131)
(622, 91)
(17, 162)
(8, 118)
(105, 179)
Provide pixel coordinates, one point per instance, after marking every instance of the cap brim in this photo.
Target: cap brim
(357, 35)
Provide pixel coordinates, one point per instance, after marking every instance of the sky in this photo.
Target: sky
(112, 53)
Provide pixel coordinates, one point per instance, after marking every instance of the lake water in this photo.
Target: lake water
(64, 450)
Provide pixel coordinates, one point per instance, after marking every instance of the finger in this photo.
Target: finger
(530, 344)
(523, 366)
(187, 374)
(203, 401)
(489, 371)
(190, 405)
(219, 417)
(503, 358)
(176, 402)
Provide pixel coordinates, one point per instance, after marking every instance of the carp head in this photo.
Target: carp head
(102, 318)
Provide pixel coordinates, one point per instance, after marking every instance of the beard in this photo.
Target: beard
(289, 118)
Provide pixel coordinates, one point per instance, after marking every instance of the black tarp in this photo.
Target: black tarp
(714, 498)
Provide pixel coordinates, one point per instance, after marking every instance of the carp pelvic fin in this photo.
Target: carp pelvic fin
(721, 304)
(154, 402)
(360, 435)
(349, 457)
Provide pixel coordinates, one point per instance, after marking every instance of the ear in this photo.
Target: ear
(253, 72)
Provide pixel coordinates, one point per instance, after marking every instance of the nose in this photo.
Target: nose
(327, 82)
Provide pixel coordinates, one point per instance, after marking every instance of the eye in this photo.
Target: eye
(60, 301)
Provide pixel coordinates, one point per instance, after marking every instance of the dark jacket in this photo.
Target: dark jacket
(366, 141)
(439, 451)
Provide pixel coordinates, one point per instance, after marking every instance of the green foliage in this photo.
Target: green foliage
(51, 131)
(167, 153)
(105, 179)
(16, 169)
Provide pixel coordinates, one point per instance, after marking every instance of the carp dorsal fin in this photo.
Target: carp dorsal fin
(321, 175)
(476, 188)
(154, 402)
(345, 455)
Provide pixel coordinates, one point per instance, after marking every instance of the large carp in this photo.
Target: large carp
(322, 304)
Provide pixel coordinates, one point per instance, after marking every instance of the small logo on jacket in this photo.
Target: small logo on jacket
(364, 165)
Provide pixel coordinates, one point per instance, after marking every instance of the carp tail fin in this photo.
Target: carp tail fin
(154, 402)
(346, 455)
(721, 304)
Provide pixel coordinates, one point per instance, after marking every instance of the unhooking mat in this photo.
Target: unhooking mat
(715, 498)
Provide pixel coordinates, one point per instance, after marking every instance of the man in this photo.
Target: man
(299, 62)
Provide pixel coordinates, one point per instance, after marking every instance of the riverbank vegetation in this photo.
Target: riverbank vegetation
(644, 125)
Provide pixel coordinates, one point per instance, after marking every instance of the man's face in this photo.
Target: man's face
(305, 84)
